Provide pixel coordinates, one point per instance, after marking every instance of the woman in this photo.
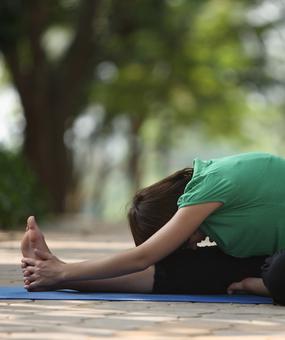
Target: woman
(237, 201)
(206, 270)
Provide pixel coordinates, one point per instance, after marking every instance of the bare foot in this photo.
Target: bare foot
(252, 285)
(33, 239)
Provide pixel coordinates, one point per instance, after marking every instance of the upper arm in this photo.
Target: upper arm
(176, 231)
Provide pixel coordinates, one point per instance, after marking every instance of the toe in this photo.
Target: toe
(32, 224)
(235, 286)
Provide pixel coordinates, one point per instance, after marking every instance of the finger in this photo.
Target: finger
(28, 261)
(27, 274)
(31, 286)
(43, 255)
(31, 278)
(23, 265)
(29, 289)
(29, 271)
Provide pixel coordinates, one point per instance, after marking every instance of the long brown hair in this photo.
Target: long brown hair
(155, 205)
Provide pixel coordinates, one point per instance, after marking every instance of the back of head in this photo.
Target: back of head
(154, 206)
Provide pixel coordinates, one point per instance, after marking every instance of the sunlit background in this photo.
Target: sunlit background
(100, 98)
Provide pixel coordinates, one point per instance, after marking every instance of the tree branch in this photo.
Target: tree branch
(28, 76)
(20, 78)
(37, 16)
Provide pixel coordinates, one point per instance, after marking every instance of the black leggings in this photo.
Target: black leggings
(208, 270)
(273, 275)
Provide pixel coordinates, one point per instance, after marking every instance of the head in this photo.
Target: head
(154, 206)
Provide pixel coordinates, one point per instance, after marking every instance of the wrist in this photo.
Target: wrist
(67, 273)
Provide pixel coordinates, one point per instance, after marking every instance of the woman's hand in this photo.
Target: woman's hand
(46, 272)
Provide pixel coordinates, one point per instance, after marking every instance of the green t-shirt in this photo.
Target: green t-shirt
(251, 187)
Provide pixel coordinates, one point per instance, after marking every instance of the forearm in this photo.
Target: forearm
(117, 265)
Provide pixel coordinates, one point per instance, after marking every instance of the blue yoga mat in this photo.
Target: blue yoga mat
(7, 293)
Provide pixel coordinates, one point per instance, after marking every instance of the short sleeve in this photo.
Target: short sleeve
(205, 189)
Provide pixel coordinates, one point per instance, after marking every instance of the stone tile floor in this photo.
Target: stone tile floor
(120, 320)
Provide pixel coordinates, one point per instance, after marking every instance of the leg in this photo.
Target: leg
(273, 276)
(136, 282)
(140, 282)
(272, 282)
(205, 270)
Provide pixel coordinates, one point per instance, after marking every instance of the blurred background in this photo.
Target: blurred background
(101, 97)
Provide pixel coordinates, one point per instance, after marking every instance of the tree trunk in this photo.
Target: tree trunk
(44, 146)
(135, 150)
(51, 93)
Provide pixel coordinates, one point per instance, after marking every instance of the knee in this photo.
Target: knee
(273, 275)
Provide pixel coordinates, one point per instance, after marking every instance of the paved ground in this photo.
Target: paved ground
(120, 320)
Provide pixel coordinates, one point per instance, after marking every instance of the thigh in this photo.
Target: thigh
(206, 270)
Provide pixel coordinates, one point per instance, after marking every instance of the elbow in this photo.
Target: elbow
(143, 261)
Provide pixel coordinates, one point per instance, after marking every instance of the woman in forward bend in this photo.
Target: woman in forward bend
(237, 201)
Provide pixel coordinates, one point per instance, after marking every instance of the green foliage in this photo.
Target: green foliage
(182, 61)
(176, 59)
(20, 195)
(156, 66)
